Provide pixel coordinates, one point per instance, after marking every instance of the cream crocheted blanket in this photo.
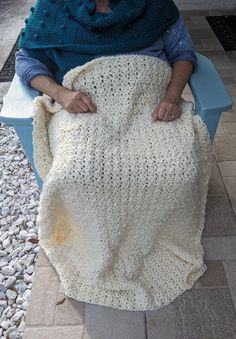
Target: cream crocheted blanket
(122, 208)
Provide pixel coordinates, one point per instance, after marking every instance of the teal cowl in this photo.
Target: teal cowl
(65, 34)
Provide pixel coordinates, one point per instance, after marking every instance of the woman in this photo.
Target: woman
(174, 44)
(122, 207)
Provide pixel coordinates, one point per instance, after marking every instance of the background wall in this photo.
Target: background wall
(205, 4)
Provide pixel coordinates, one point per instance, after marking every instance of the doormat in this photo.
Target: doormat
(224, 28)
(8, 71)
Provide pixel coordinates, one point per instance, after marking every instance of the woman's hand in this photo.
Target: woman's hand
(167, 110)
(76, 102)
(72, 101)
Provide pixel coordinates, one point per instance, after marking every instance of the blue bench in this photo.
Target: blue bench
(210, 95)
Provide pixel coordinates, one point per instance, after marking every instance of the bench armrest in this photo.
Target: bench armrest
(17, 112)
(210, 94)
(17, 104)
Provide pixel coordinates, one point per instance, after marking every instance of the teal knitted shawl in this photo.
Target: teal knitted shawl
(64, 34)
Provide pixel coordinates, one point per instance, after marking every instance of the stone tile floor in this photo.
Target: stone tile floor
(208, 311)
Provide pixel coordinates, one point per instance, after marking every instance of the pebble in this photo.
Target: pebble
(2, 287)
(3, 236)
(27, 295)
(6, 243)
(10, 312)
(3, 263)
(30, 224)
(20, 221)
(15, 251)
(23, 234)
(28, 278)
(8, 270)
(11, 302)
(5, 211)
(20, 254)
(18, 267)
(3, 253)
(3, 303)
(11, 294)
(2, 295)
(21, 326)
(19, 300)
(11, 192)
(15, 183)
(9, 249)
(14, 229)
(9, 331)
(3, 222)
(25, 305)
(36, 249)
(30, 269)
(10, 281)
(5, 324)
(21, 287)
(15, 335)
(19, 201)
(28, 246)
(29, 260)
(17, 315)
(33, 238)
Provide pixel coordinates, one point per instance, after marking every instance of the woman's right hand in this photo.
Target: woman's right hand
(76, 101)
(72, 101)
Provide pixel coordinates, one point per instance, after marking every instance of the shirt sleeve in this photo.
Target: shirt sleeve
(178, 43)
(28, 68)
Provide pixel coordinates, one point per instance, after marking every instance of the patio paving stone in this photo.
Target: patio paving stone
(198, 313)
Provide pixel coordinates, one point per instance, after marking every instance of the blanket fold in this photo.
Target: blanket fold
(122, 208)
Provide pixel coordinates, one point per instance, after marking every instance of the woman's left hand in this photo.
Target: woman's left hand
(168, 109)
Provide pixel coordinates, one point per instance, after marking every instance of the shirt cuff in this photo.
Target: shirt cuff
(188, 57)
(31, 74)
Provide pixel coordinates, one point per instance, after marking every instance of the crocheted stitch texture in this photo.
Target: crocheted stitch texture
(123, 203)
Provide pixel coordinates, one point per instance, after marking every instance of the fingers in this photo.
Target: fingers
(82, 105)
(166, 111)
(78, 102)
(172, 114)
(88, 102)
(158, 114)
(169, 114)
(77, 106)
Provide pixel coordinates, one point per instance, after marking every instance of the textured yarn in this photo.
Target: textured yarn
(70, 33)
(122, 208)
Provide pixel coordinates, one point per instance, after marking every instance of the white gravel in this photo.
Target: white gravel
(19, 199)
